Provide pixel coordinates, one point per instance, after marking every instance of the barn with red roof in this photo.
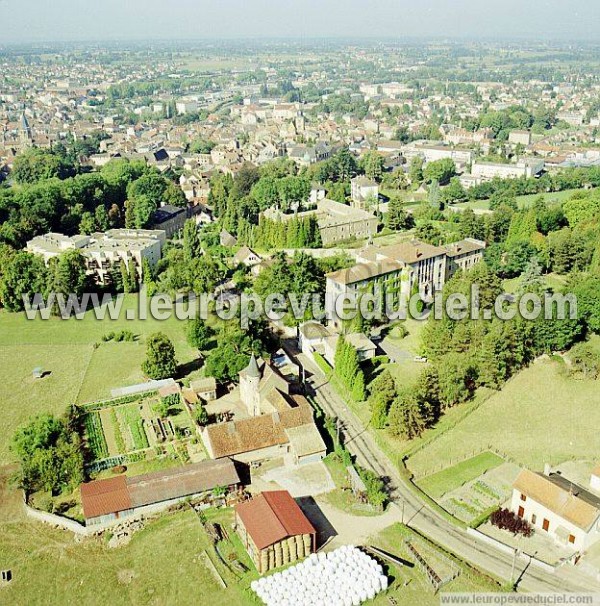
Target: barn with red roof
(274, 530)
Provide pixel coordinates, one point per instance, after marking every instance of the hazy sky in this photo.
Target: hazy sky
(53, 20)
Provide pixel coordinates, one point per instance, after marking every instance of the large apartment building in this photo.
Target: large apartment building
(393, 272)
(486, 171)
(104, 251)
(430, 153)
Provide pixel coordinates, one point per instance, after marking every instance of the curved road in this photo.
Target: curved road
(418, 514)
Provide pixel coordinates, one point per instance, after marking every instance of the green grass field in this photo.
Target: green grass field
(540, 416)
(523, 201)
(342, 496)
(77, 370)
(554, 281)
(550, 198)
(442, 482)
(417, 589)
(161, 565)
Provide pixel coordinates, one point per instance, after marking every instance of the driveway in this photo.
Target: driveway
(355, 530)
(307, 480)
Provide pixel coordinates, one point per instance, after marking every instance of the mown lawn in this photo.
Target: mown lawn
(442, 482)
(550, 197)
(81, 367)
(554, 281)
(540, 416)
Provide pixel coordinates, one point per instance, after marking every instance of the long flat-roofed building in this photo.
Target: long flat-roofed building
(104, 251)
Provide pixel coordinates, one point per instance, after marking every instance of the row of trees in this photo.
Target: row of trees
(23, 274)
(297, 232)
(121, 193)
(348, 370)
(470, 353)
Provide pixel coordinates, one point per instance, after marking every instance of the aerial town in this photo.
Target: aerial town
(313, 456)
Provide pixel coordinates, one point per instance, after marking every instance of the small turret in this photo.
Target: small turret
(250, 387)
(252, 368)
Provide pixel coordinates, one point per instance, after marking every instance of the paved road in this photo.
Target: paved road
(417, 514)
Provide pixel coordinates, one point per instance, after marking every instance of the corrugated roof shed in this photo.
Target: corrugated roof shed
(103, 497)
(271, 517)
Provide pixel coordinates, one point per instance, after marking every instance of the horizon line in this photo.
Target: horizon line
(563, 38)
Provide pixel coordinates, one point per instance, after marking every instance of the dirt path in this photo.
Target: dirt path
(109, 432)
(355, 530)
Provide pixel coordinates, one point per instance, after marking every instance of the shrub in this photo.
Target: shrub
(400, 331)
(44, 502)
(200, 415)
(507, 520)
(585, 361)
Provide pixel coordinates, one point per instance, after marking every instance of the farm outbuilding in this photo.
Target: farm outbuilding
(205, 388)
(110, 500)
(274, 530)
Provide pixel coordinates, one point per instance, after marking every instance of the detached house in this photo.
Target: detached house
(552, 504)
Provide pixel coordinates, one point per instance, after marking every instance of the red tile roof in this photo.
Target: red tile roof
(271, 517)
(112, 495)
(102, 497)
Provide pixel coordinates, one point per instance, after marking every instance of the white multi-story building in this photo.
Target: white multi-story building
(486, 171)
(104, 251)
(431, 153)
(363, 190)
(186, 107)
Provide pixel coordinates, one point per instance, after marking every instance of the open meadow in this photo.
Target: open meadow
(554, 197)
(79, 367)
(163, 563)
(540, 416)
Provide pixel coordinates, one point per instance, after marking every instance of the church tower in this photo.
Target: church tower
(249, 387)
(25, 131)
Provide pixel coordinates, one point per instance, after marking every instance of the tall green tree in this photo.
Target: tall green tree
(192, 247)
(160, 362)
(199, 333)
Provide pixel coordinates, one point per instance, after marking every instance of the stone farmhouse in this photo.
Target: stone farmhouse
(263, 420)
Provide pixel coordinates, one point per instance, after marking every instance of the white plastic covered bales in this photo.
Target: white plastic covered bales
(344, 577)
